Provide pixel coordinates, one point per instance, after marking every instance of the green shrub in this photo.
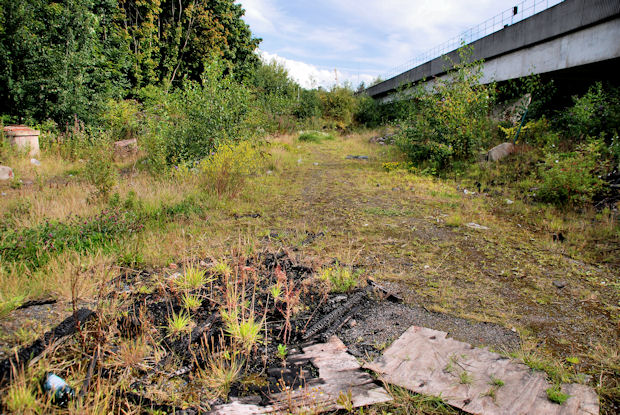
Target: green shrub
(572, 178)
(226, 169)
(100, 170)
(338, 106)
(123, 119)
(595, 112)
(449, 122)
(189, 123)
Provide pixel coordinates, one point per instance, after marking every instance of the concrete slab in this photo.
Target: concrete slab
(426, 361)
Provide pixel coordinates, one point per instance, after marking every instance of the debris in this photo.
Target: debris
(559, 284)
(339, 375)
(6, 173)
(509, 202)
(350, 157)
(33, 303)
(558, 237)
(315, 163)
(383, 140)
(426, 361)
(58, 389)
(499, 152)
(269, 172)
(25, 354)
(332, 321)
(476, 226)
(23, 138)
(35, 162)
(125, 147)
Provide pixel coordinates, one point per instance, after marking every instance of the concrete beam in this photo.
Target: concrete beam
(555, 23)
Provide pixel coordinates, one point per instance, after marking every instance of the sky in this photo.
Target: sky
(358, 40)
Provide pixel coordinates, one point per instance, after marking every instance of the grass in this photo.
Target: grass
(314, 136)
(391, 234)
(179, 323)
(556, 395)
(465, 378)
(341, 279)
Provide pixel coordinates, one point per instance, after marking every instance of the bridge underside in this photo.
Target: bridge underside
(574, 43)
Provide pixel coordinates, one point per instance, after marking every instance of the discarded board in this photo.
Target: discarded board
(340, 377)
(426, 361)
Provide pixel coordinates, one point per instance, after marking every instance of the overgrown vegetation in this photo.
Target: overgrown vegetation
(234, 155)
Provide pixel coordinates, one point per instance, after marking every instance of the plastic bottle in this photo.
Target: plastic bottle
(58, 389)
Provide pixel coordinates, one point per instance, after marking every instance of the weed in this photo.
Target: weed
(100, 171)
(282, 351)
(341, 279)
(221, 371)
(191, 302)
(465, 378)
(179, 323)
(455, 220)
(276, 292)
(20, 398)
(345, 401)
(193, 278)
(556, 395)
(496, 382)
(245, 330)
(226, 170)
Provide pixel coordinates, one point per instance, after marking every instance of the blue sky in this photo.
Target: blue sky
(361, 39)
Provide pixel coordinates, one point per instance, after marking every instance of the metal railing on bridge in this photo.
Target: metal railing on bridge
(520, 11)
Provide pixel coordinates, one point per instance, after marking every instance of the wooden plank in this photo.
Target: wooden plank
(340, 376)
(425, 361)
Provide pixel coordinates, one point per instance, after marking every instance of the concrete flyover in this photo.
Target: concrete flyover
(568, 37)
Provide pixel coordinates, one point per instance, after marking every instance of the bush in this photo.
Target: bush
(595, 112)
(572, 178)
(338, 106)
(123, 119)
(100, 170)
(226, 169)
(189, 123)
(449, 122)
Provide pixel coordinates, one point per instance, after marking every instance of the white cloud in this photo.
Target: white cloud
(372, 35)
(311, 76)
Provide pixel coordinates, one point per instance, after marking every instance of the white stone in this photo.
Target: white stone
(6, 173)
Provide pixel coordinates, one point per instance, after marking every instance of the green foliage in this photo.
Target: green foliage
(122, 119)
(309, 105)
(338, 107)
(556, 395)
(33, 246)
(448, 123)
(314, 136)
(189, 123)
(595, 112)
(276, 97)
(282, 351)
(100, 171)
(225, 170)
(571, 178)
(69, 58)
(341, 279)
(60, 58)
(179, 323)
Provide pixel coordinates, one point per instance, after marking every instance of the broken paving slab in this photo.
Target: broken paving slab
(340, 375)
(426, 361)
